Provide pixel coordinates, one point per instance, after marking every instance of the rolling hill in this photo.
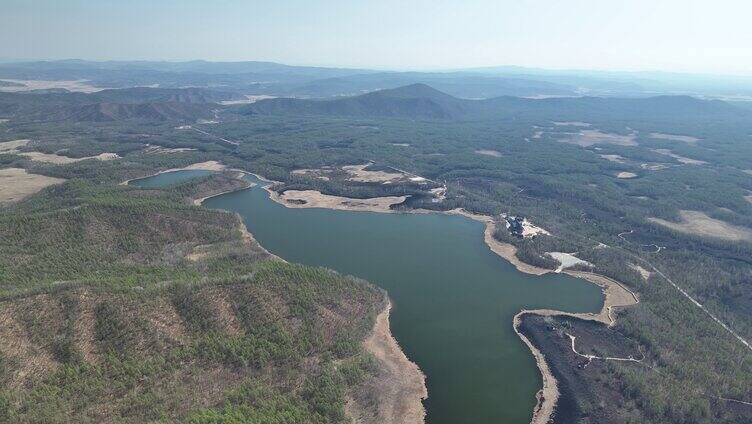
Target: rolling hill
(420, 101)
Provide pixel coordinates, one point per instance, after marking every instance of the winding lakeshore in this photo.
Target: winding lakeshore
(546, 398)
(615, 294)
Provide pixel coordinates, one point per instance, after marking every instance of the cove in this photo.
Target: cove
(453, 298)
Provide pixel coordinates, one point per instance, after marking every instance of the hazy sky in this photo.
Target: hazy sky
(686, 35)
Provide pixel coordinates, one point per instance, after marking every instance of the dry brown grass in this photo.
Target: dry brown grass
(61, 160)
(587, 138)
(16, 184)
(700, 224)
(12, 146)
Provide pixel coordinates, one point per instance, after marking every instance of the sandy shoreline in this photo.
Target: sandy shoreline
(402, 388)
(548, 396)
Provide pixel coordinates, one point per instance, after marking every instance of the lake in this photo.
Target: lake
(453, 298)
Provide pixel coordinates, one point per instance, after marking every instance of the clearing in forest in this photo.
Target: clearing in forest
(698, 223)
(587, 138)
(12, 146)
(493, 153)
(61, 160)
(675, 137)
(16, 184)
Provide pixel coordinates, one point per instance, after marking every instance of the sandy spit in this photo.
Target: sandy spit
(403, 388)
(316, 199)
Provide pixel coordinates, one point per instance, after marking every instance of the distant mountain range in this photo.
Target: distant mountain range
(420, 101)
(414, 101)
(268, 78)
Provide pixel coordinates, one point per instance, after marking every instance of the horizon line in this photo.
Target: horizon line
(438, 69)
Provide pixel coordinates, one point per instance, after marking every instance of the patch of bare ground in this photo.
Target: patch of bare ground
(361, 174)
(587, 138)
(675, 137)
(626, 175)
(681, 159)
(400, 386)
(492, 153)
(12, 146)
(613, 158)
(61, 160)
(567, 260)
(152, 149)
(644, 273)
(654, 166)
(210, 165)
(17, 184)
(699, 224)
(316, 199)
(320, 173)
(32, 361)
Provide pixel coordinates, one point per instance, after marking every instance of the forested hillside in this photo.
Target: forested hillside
(133, 305)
